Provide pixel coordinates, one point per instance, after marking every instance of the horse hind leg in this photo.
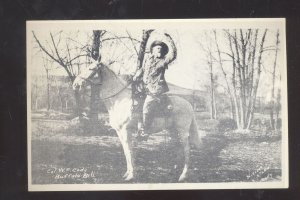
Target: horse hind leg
(184, 140)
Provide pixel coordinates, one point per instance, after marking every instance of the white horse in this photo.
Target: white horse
(116, 95)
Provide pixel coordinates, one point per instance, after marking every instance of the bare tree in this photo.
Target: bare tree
(141, 54)
(212, 87)
(272, 109)
(95, 86)
(210, 59)
(64, 58)
(253, 88)
(246, 71)
(59, 92)
(233, 116)
(278, 107)
(47, 68)
(35, 93)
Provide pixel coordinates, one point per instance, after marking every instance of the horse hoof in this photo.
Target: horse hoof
(129, 177)
(126, 174)
(182, 178)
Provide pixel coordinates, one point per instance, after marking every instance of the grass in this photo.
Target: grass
(222, 158)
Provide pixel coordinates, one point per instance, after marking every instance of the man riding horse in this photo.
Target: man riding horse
(118, 101)
(152, 76)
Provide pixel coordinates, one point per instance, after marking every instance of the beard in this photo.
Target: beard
(157, 54)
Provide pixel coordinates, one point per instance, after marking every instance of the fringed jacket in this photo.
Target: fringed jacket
(153, 71)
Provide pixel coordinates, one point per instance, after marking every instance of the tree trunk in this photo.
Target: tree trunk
(78, 103)
(236, 107)
(35, 98)
(251, 77)
(48, 90)
(95, 88)
(62, 106)
(245, 77)
(212, 90)
(256, 83)
(145, 37)
(36, 104)
(272, 122)
(225, 77)
(61, 101)
(278, 99)
(233, 82)
(242, 111)
(241, 96)
(55, 56)
(232, 109)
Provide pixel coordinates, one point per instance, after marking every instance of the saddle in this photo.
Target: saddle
(162, 108)
(164, 105)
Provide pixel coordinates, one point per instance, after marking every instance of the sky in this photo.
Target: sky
(189, 70)
(181, 72)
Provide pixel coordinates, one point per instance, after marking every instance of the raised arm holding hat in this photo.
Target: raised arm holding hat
(153, 77)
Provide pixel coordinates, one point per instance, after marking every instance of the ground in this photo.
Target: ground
(63, 152)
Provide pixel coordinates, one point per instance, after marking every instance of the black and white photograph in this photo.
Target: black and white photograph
(157, 104)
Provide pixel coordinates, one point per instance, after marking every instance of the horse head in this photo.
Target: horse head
(84, 77)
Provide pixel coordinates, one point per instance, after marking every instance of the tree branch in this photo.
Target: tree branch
(118, 38)
(131, 39)
(71, 60)
(43, 48)
(55, 48)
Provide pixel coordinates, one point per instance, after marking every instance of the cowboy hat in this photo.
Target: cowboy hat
(164, 46)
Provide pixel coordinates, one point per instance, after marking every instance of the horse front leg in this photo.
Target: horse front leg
(184, 140)
(126, 141)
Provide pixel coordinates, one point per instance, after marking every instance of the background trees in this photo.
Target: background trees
(241, 56)
(275, 101)
(246, 51)
(210, 60)
(67, 52)
(240, 64)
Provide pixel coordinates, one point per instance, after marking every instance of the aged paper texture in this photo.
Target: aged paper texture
(157, 104)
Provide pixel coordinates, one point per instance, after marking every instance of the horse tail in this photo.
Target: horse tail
(195, 137)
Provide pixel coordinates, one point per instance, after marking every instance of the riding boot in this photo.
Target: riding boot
(140, 124)
(145, 126)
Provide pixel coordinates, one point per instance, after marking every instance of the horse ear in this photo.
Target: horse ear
(93, 65)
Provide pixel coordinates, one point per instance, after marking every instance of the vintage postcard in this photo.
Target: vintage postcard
(157, 104)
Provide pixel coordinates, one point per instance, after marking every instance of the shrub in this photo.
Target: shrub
(226, 124)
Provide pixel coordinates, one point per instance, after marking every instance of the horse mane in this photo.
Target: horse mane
(125, 79)
(112, 83)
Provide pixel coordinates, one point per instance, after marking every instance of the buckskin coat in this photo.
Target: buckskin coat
(153, 71)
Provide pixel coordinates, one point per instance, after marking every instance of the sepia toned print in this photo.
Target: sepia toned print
(157, 104)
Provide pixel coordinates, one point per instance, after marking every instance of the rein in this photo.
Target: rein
(111, 96)
(125, 87)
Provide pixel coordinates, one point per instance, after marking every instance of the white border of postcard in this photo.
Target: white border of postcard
(163, 24)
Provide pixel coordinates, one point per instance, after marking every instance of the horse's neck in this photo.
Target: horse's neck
(113, 88)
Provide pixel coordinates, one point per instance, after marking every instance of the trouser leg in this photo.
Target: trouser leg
(148, 107)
